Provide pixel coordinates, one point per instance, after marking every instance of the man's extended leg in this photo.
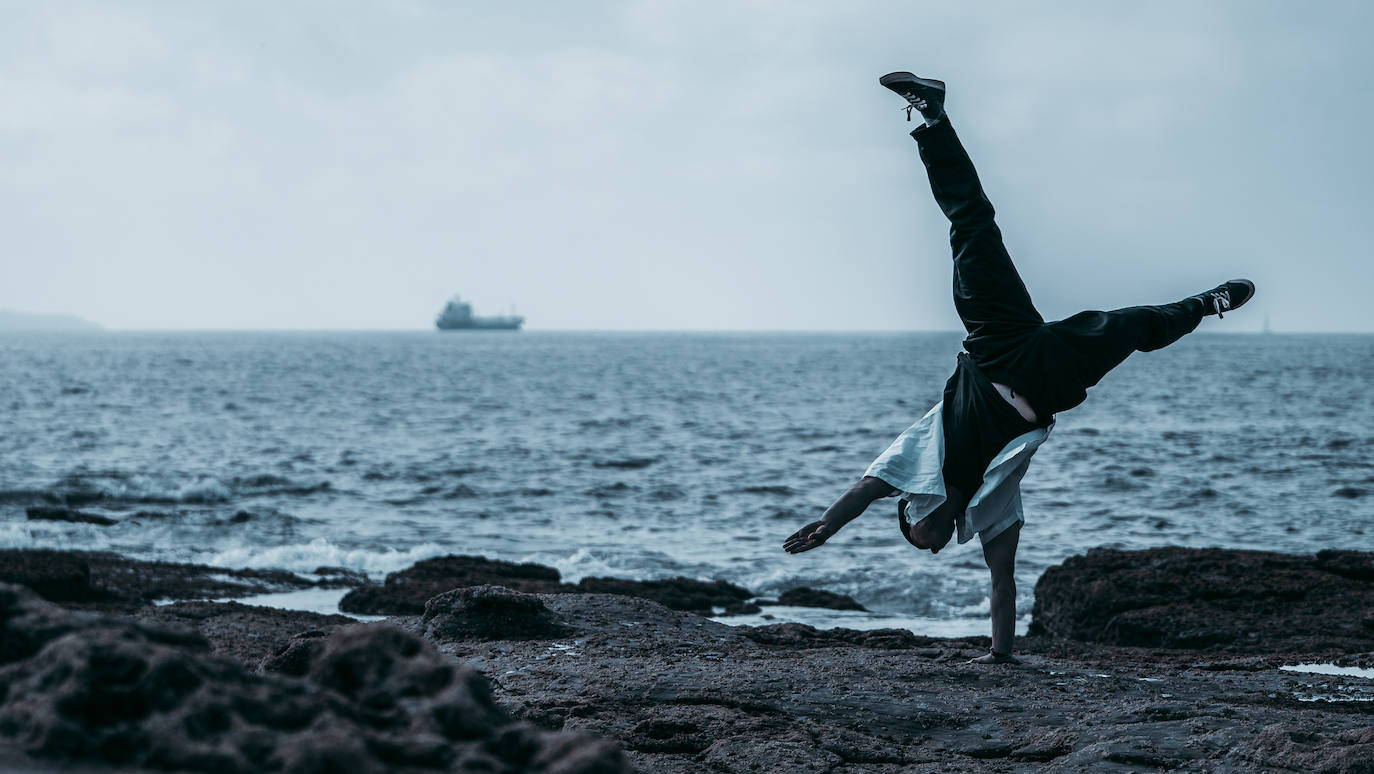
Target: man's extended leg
(1100, 341)
(989, 294)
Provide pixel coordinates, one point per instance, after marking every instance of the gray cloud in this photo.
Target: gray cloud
(671, 164)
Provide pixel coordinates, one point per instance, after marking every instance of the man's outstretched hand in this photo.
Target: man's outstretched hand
(808, 537)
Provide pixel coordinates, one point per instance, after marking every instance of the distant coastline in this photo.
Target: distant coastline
(11, 320)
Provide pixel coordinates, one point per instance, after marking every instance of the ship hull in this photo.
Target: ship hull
(481, 325)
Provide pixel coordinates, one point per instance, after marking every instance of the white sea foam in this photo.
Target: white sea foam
(304, 558)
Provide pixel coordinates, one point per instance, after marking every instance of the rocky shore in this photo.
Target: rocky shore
(1135, 661)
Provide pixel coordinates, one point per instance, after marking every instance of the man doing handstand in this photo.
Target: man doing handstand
(960, 466)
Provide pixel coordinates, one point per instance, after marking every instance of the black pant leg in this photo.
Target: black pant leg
(989, 294)
(1100, 341)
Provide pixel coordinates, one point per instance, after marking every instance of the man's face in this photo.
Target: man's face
(935, 530)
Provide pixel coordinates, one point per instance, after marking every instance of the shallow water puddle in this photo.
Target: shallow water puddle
(1330, 669)
(1338, 692)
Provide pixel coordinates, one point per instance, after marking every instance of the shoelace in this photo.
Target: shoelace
(1221, 300)
(913, 103)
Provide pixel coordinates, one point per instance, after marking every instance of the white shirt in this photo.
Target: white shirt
(914, 462)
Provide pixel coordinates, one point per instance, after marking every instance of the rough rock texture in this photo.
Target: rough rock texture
(407, 591)
(244, 633)
(489, 613)
(804, 596)
(110, 581)
(798, 636)
(676, 593)
(89, 689)
(1217, 599)
(686, 694)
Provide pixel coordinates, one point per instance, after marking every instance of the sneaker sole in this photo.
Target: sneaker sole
(926, 87)
(1247, 283)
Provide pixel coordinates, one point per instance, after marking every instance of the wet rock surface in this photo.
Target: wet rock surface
(683, 693)
(675, 593)
(244, 633)
(90, 689)
(808, 597)
(489, 613)
(106, 581)
(1214, 599)
(407, 591)
(686, 694)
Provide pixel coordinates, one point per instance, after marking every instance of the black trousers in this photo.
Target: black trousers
(1051, 364)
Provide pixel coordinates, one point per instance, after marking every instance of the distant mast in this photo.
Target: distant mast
(457, 316)
(1266, 328)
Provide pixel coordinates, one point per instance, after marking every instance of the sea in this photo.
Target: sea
(651, 455)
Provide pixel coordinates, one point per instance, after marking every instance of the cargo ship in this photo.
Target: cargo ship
(457, 316)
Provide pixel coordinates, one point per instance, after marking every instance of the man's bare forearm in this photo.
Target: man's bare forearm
(855, 501)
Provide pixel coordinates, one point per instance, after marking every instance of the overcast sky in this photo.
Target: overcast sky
(673, 165)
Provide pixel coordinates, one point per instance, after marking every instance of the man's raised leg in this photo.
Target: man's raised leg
(988, 292)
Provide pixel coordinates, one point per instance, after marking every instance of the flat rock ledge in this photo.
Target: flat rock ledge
(88, 690)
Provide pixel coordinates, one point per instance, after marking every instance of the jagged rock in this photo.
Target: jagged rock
(339, 577)
(106, 580)
(489, 613)
(55, 575)
(684, 594)
(1356, 565)
(801, 636)
(1218, 599)
(85, 689)
(245, 633)
(1314, 749)
(407, 591)
(804, 596)
(60, 513)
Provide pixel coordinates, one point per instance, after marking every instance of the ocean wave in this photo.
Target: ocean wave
(114, 488)
(320, 552)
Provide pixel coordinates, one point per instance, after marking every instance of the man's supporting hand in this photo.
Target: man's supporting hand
(808, 537)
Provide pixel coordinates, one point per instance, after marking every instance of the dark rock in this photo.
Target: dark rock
(801, 637)
(685, 594)
(340, 577)
(295, 657)
(742, 608)
(1350, 492)
(55, 575)
(84, 689)
(245, 633)
(1044, 746)
(59, 513)
(1356, 565)
(407, 591)
(809, 597)
(489, 613)
(1305, 749)
(1217, 599)
(108, 580)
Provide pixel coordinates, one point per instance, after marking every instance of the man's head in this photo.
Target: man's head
(934, 531)
(931, 533)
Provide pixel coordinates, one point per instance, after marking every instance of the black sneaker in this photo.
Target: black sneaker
(922, 94)
(1226, 297)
